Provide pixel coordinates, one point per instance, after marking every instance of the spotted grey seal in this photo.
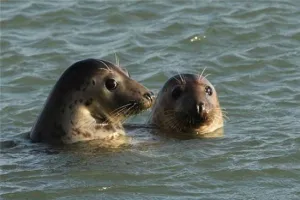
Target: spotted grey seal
(187, 105)
(90, 101)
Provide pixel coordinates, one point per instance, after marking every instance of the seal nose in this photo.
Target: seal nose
(148, 96)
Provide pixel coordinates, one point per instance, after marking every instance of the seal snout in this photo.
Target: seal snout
(149, 96)
(200, 114)
(147, 100)
(144, 102)
(187, 103)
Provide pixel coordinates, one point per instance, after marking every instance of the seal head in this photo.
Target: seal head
(90, 101)
(187, 104)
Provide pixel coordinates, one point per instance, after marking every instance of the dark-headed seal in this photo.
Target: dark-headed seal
(187, 105)
(90, 101)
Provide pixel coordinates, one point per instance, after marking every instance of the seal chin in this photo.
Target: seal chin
(199, 120)
(192, 121)
(197, 123)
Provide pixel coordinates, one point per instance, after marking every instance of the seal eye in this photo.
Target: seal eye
(176, 92)
(111, 84)
(208, 90)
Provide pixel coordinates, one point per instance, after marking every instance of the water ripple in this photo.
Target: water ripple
(251, 51)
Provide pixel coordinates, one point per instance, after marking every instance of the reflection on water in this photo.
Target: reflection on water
(251, 51)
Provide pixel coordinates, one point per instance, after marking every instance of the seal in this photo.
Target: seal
(187, 105)
(91, 100)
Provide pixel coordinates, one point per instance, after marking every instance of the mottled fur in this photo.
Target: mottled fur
(81, 108)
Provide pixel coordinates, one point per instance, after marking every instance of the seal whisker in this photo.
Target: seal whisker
(181, 78)
(207, 75)
(135, 109)
(105, 65)
(200, 76)
(119, 111)
(175, 126)
(85, 123)
(114, 114)
(172, 122)
(179, 81)
(223, 109)
(169, 111)
(216, 117)
(225, 116)
(127, 111)
(169, 115)
(219, 109)
(223, 113)
(117, 60)
(120, 108)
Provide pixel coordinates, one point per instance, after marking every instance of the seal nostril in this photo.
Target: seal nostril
(200, 107)
(148, 96)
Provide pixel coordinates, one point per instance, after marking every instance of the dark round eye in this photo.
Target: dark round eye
(208, 90)
(176, 92)
(111, 84)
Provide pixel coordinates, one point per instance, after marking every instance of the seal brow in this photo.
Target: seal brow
(105, 65)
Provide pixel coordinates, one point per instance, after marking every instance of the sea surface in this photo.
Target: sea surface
(251, 49)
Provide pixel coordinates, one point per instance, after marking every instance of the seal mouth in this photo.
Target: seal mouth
(188, 120)
(136, 107)
(198, 120)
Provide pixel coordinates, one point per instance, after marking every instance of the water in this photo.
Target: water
(251, 50)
